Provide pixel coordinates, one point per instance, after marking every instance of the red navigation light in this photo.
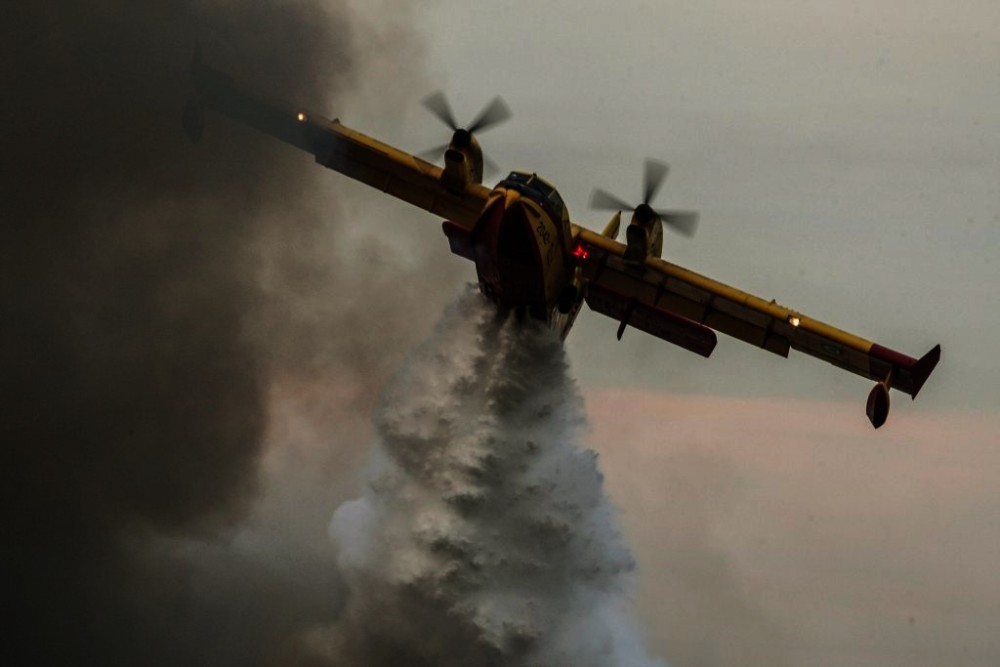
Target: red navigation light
(580, 251)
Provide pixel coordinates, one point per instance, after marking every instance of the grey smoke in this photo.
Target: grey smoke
(156, 296)
(484, 536)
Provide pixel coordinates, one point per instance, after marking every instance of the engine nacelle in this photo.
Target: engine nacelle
(463, 162)
(644, 235)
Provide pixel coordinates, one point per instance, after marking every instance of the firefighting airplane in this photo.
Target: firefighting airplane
(530, 258)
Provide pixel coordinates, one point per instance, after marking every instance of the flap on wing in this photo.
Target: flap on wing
(655, 321)
(693, 303)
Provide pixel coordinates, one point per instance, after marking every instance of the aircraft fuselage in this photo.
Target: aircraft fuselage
(521, 245)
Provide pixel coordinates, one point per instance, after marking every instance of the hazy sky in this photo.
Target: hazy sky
(845, 158)
(198, 335)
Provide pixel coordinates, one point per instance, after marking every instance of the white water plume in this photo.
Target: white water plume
(484, 536)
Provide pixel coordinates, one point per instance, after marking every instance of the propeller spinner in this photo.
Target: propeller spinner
(684, 222)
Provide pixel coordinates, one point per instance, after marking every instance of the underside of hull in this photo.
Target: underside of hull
(508, 261)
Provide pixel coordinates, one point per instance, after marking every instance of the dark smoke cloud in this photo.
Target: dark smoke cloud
(154, 296)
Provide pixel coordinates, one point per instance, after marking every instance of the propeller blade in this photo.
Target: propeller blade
(433, 154)
(684, 222)
(605, 201)
(490, 167)
(655, 173)
(438, 105)
(495, 113)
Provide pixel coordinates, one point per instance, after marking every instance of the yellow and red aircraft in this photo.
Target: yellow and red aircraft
(531, 258)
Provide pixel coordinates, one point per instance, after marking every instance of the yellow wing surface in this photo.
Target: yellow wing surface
(684, 307)
(337, 147)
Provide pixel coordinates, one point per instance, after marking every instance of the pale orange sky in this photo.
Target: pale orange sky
(788, 532)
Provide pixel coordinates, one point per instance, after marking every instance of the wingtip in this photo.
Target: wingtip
(924, 367)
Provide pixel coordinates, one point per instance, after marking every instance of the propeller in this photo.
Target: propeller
(493, 114)
(684, 222)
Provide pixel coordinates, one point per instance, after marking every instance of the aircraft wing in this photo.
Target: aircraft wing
(335, 146)
(685, 308)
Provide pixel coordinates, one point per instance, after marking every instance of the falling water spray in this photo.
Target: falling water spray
(484, 536)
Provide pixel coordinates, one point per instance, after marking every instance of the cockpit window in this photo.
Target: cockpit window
(537, 189)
